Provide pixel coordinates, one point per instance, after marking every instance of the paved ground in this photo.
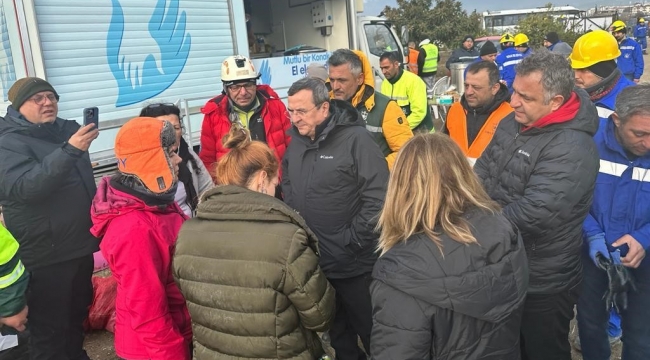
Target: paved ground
(99, 344)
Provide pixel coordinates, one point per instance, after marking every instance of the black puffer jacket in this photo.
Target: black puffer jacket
(464, 305)
(337, 183)
(544, 178)
(46, 188)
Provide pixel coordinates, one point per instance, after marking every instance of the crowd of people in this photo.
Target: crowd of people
(340, 212)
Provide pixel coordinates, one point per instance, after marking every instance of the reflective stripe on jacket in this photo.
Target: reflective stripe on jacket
(13, 278)
(410, 93)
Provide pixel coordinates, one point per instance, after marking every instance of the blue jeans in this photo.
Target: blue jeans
(593, 317)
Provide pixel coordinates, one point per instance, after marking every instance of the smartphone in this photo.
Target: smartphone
(91, 116)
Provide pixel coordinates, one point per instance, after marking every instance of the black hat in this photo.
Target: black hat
(552, 37)
(488, 48)
(603, 69)
(24, 88)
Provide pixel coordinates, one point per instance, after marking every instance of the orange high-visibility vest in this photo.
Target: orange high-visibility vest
(413, 61)
(457, 127)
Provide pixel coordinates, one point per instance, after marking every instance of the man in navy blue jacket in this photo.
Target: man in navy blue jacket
(508, 59)
(618, 228)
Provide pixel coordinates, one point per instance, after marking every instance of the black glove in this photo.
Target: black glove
(620, 281)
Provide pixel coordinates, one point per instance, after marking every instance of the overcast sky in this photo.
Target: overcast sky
(374, 7)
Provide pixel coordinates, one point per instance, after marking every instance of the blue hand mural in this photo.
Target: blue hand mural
(168, 30)
(7, 71)
(265, 72)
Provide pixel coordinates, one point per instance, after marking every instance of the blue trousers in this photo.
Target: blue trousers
(593, 316)
(643, 42)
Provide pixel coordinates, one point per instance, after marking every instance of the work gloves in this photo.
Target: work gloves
(620, 280)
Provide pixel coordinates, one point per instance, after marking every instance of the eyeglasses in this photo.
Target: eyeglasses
(237, 87)
(39, 99)
(302, 112)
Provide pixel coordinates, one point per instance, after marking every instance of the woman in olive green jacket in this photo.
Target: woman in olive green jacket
(248, 265)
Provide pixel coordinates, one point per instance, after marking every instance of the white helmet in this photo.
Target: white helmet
(424, 42)
(236, 68)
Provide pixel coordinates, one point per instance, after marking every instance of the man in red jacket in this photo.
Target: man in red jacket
(256, 107)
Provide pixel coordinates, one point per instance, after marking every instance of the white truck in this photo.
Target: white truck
(120, 55)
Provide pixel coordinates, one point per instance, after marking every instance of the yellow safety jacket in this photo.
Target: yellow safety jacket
(410, 93)
(13, 278)
(431, 61)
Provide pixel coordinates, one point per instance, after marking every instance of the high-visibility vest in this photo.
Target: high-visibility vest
(457, 127)
(431, 60)
(11, 268)
(413, 61)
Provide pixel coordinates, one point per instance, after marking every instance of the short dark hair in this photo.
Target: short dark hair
(390, 55)
(319, 91)
(160, 109)
(489, 66)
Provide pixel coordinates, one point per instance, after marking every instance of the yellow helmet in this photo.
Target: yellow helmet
(617, 26)
(506, 38)
(594, 47)
(641, 20)
(237, 67)
(520, 39)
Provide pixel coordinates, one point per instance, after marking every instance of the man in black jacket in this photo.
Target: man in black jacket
(46, 189)
(466, 53)
(541, 166)
(335, 176)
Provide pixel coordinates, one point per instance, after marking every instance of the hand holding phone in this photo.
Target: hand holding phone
(91, 116)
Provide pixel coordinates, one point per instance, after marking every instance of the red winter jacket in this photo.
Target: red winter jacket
(152, 321)
(216, 124)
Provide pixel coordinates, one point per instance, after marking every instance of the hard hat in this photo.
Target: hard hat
(641, 20)
(506, 38)
(236, 68)
(520, 39)
(594, 47)
(424, 42)
(617, 26)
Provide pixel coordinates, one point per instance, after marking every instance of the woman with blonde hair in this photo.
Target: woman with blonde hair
(451, 279)
(247, 265)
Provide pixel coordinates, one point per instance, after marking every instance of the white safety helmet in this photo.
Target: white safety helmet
(424, 42)
(236, 68)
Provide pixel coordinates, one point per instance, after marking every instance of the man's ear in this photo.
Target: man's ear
(616, 119)
(360, 79)
(556, 102)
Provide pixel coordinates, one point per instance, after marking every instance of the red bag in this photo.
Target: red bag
(102, 311)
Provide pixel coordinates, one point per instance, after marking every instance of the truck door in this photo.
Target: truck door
(378, 37)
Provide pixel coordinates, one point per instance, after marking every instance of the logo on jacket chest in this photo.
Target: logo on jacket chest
(327, 157)
(523, 152)
(364, 114)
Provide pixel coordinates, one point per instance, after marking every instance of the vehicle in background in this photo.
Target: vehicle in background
(479, 42)
(121, 55)
(502, 21)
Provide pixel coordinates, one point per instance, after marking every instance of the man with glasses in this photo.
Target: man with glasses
(46, 191)
(335, 177)
(255, 107)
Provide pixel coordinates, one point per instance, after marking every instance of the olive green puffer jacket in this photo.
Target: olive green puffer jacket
(248, 268)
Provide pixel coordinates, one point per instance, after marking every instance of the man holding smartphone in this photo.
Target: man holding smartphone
(46, 190)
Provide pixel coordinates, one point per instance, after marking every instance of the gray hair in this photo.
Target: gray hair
(319, 92)
(632, 101)
(557, 75)
(346, 56)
